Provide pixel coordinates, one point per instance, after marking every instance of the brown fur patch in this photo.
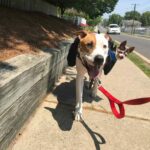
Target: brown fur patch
(88, 43)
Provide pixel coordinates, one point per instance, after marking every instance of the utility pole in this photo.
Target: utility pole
(133, 28)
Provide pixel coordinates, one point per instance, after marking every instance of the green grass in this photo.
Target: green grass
(145, 67)
(88, 28)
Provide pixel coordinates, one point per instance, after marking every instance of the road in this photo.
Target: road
(142, 45)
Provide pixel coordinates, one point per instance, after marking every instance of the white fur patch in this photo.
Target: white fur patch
(99, 49)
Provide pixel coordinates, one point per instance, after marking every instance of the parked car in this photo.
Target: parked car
(113, 28)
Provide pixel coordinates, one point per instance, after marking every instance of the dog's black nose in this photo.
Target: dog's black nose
(98, 60)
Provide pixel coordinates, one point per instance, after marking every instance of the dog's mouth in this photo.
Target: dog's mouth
(93, 70)
(121, 54)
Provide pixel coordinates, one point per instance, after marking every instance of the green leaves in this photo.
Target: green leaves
(145, 18)
(93, 8)
(93, 22)
(115, 18)
(132, 15)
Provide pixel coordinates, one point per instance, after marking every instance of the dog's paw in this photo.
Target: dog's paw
(78, 116)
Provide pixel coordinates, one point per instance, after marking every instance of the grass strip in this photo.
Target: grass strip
(139, 62)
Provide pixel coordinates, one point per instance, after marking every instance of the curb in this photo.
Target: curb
(141, 56)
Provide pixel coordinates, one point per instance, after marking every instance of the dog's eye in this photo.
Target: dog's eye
(104, 46)
(89, 45)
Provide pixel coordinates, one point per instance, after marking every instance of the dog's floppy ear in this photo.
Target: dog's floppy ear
(122, 45)
(110, 62)
(130, 49)
(71, 58)
(108, 37)
(81, 34)
(111, 58)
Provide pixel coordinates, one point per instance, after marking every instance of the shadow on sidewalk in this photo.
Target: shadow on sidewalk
(63, 115)
(65, 93)
(97, 138)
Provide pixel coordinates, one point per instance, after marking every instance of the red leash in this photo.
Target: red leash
(114, 101)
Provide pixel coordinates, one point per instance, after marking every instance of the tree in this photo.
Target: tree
(145, 18)
(132, 15)
(62, 4)
(93, 22)
(93, 8)
(105, 22)
(115, 18)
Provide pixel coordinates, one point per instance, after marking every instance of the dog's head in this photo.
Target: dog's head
(93, 48)
(116, 52)
(122, 50)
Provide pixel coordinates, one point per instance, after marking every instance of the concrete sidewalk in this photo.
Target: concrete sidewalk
(52, 127)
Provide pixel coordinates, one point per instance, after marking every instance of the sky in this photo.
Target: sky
(127, 5)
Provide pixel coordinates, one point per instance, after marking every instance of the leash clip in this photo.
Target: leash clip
(92, 82)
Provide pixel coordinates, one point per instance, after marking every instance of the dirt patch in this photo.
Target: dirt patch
(30, 32)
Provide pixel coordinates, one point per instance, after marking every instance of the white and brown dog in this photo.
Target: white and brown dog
(91, 58)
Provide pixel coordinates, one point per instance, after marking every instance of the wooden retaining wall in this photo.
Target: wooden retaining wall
(24, 82)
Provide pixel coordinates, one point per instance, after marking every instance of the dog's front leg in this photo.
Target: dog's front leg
(79, 94)
(96, 84)
(94, 89)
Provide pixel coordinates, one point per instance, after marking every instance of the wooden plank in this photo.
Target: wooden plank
(14, 118)
(15, 66)
(19, 85)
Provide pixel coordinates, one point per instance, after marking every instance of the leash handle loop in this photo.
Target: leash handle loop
(121, 112)
(113, 101)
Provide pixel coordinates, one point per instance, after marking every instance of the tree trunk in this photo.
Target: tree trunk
(62, 11)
